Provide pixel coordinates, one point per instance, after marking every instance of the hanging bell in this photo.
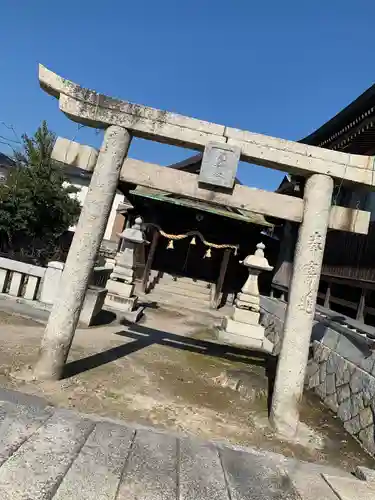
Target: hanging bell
(170, 245)
(208, 254)
(193, 241)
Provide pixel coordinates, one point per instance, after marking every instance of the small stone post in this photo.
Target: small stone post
(121, 284)
(307, 266)
(51, 282)
(243, 327)
(60, 329)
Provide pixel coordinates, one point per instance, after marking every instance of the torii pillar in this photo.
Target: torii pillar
(223, 146)
(300, 312)
(88, 236)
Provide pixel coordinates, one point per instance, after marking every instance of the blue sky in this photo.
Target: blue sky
(275, 67)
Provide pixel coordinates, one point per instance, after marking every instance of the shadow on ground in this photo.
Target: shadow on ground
(141, 337)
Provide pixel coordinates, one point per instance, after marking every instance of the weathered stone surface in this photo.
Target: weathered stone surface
(312, 374)
(231, 337)
(313, 380)
(97, 110)
(330, 384)
(311, 486)
(321, 390)
(364, 473)
(75, 154)
(43, 460)
(18, 423)
(92, 305)
(83, 252)
(345, 410)
(201, 474)
(219, 164)
(69, 456)
(122, 304)
(353, 426)
(317, 350)
(51, 282)
(119, 288)
(356, 381)
(343, 372)
(330, 338)
(97, 470)
(368, 391)
(366, 417)
(245, 316)
(243, 329)
(284, 145)
(357, 403)
(348, 349)
(97, 116)
(368, 363)
(346, 389)
(261, 480)
(351, 489)
(366, 436)
(151, 470)
(331, 402)
(331, 365)
(343, 393)
(322, 372)
(323, 352)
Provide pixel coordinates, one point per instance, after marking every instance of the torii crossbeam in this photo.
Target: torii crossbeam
(122, 120)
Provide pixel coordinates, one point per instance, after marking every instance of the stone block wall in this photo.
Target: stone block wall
(347, 388)
(341, 371)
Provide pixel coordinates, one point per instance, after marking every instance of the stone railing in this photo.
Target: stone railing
(341, 367)
(40, 285)
(19, 279)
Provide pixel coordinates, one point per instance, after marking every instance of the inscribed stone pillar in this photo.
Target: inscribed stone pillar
(307, 266)
(89, 233)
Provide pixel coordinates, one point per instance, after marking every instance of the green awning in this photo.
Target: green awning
(250, 217)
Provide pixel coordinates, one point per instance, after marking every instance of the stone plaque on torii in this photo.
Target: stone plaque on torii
(123, 120)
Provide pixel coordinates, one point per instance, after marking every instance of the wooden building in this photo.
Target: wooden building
(348, 275)
(196, 240)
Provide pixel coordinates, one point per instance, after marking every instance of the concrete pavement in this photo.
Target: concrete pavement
(50, 453)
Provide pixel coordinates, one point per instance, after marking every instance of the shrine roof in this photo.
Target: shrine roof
(246, 216)
(352, 130)
(192, 165)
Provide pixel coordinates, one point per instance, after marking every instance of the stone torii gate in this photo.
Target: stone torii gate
(222, 147)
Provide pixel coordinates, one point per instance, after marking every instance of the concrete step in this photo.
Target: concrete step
(177, 300)
(180, 290)
(60, 455)
(17, 424)
(40, 463)
(96, 472)
(188, 282)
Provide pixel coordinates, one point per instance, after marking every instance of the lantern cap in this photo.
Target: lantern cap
(258, 260)
(133, 234)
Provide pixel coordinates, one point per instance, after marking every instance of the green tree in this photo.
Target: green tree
(35, 203)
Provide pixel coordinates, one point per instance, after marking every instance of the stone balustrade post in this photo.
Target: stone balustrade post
(51, 282)
(60, 329)
(300, 312)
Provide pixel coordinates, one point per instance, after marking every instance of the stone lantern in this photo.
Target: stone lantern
(242, 327)
(121, 283)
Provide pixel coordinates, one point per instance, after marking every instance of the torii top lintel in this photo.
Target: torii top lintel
(97, 110)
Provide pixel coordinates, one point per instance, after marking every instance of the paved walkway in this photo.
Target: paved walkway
(50, 453)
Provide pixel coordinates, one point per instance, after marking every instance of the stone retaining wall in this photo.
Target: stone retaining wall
(341, 371)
